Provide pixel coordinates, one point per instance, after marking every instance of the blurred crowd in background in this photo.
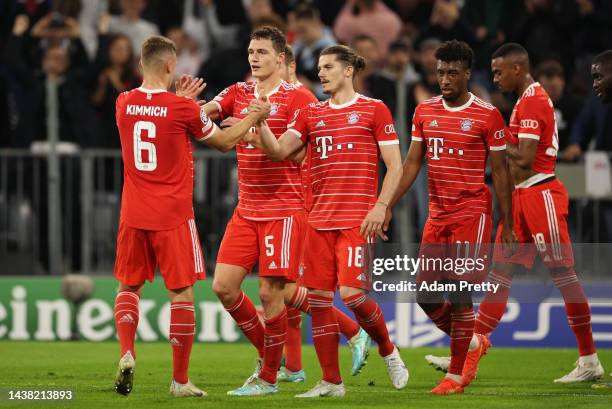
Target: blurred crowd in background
(92, 47)
(89, 49)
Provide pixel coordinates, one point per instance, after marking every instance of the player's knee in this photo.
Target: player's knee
(270, 291)
(224, 291)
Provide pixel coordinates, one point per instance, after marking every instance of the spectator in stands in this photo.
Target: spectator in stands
(592, 125)
(369, 17)
(189, 55)
(74, 111)
(366, 47)
(131, 24)
(550, 75)
(311, 37)
(91, 11)
(446, 23)
(115, 71)
(399, 67)
(427, 87)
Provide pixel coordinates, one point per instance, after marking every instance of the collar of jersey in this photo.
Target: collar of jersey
(151, 91)
(274, 91)
(346, 104)
(533, 84)
(459, 108)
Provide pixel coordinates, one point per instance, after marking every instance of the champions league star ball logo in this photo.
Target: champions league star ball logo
(273, 109)
(203, 117)
(466, 125)
(352, 118)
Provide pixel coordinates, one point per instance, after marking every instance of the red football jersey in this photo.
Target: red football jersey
(533, 117)
(267, 190)
(458, 140)
(306, 164)
(344, 140)
(154, 126)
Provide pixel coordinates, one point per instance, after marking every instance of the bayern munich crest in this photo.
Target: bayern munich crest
(273, 109)
(352, 118)
(466, 124)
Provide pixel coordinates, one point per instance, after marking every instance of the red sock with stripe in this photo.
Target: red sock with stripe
(182, 332)
(371, 319)
(442, 317)
(244, 313)
(326, 336)
(577, 310)
(126, 320)
(293, 344)
(492, 308)
(275, 334)
(462, 329)
(348, 327)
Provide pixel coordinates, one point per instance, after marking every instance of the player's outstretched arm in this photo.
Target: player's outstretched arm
(374, 223)
(225, 139)
(282, 148)
(503, 190)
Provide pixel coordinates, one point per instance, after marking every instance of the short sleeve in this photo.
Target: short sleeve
(417, 126)
(225, 101)
(384, 129)
(495, 132)
(299, 124)
(198, 123)
(298, 101)
(530, 118)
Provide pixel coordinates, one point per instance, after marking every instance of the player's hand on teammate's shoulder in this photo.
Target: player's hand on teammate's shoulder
(189, 87)
(373, 223)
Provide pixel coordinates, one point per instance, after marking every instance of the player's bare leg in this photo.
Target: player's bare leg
(226, 286)
(371, 319)
(182, 332)
(126, 322)
(271, 293)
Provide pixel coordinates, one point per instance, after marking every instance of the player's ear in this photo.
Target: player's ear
(349, 71)
(468, 74)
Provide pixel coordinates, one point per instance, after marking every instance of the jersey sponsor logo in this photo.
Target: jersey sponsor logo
(273, 109)
(466, 124)
(436, 146)
(324, 145)
(146, 110)
(389, 129)
(433, 124)
(529, 124)
(352, 118)
(320, 124)
(499, 134)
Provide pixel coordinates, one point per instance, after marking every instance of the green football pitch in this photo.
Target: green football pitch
(508, 378)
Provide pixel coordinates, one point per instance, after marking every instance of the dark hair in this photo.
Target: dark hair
(454, 50)
(347, 56)
(306, 11)
(549, 68)
(510, 49)
(154, 46)
(363, 37)
(279, 43)
(289, 56)
(604, 58)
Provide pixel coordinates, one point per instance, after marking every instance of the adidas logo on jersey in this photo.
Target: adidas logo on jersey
(320, 124)
(175, 342)
(244, 111)
(433, 123)
(272, 266)
(127, 319)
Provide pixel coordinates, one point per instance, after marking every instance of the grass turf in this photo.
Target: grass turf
(508, 378)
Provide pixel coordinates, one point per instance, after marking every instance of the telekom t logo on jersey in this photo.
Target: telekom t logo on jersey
(436, 147)
(324, 145)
